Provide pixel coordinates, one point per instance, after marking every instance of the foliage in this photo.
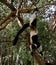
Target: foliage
(46, 36)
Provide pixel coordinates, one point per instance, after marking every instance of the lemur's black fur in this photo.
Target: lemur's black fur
(19, 32)
(35, 41)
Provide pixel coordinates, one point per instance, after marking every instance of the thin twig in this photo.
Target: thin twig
(8, 4)
(8, 17)
(7, 23)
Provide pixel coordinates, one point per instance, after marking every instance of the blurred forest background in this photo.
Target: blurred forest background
(14, 11)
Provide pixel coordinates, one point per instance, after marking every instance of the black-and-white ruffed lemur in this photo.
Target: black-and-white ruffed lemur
(33, 34)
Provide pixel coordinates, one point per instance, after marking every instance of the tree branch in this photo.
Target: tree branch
(37, 58)
(53, 3)
(9, 5)
(20, 4)
(25, 10)
(7, 23)
(8, 17)
(28, 10)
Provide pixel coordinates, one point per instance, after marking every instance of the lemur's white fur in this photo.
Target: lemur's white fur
(32, 33)
(33, 16)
